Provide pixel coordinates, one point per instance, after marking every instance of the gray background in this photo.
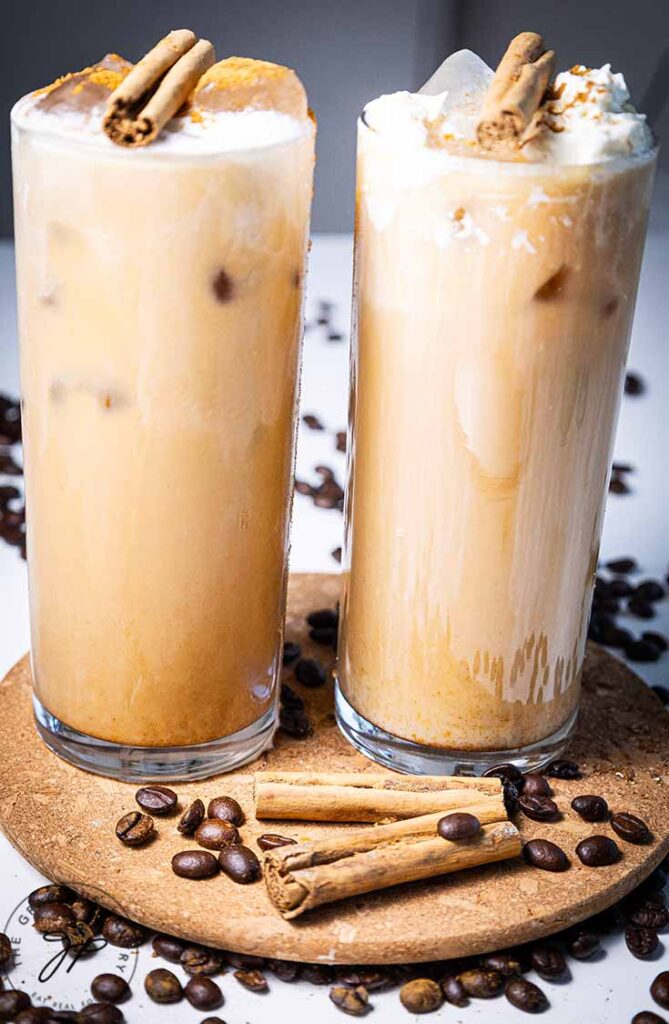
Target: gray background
(346, 52)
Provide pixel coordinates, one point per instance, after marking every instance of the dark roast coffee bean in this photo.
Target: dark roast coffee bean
(285, 970)
(562, 768)
(214, 834)
(336, 554)
(541, 853)
(341, 441)
(582, 944)
(318, 974)
(272, 841)
(353, 1001)
(213, 1020)
(648, 912)
(548, 961)
(374, 979)
(458, 826)
(312, 422)
(591, 808)
(198, 960)
(135, 829)
(223, 286)
(658, 639)
(192, 817)
(510, 796)
(253, 980)
(641, 942)
(620, 588)
(100, 1013)
(8, 493)
(162, 986)
(507, 772)
(110, 988)
(624, 566)
(52, 917)
(536, 785)
(158, 800)
(291, 652)
(225, 808)
(630, 828)
(203, 994)
(240, 864)
(538, 808)
(289, 698)
(35, 1015)
(324, 618)
(614, 636)
(506, 964)
(5, 949)
(118, 931)
(454, 991)
(244, 960)
(525, 995)
(87, 911)
(294, 723)
(50, 894)
(647, 1017)
(77, 936)
(194, 864)
(168, 948)
(642, 651)
(422, 995)
(659, 990)
(12, 1003)
(310, 672)
(649, 590)
(617, 485)
(598, 851)
(324, 637)
(640, 608)
(480, 983)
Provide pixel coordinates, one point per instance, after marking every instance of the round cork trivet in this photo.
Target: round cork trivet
(62, 820)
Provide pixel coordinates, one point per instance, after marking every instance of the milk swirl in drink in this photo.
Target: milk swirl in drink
(160, 300)
(494, 301)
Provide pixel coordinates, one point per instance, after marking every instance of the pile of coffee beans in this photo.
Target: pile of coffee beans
(622, 593)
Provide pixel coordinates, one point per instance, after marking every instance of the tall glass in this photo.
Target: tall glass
(160, 309)
(494, 303)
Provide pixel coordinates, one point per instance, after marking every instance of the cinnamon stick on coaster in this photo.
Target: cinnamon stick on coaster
(358, 796)
(515, 92)
(300, 878)
(136, 113)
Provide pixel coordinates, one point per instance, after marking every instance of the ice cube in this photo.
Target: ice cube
(239, 83)
(462, 80)
(84, 92)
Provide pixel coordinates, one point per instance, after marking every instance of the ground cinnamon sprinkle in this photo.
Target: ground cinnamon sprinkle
(97, 74)
(235, 71)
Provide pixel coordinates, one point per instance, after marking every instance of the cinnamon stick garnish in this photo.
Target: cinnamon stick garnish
(319, 796)
(302, 877)
(515, 92)
(136, 113)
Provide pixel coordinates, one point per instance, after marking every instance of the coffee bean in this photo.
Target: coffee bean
(317, 974)
(510, 796)
(613, 636)
(162, 986)
(100, 1013)
(12, 1003)
(52, 917)
(198, 960)
(194, 864)
(324, 637)
(538, 808)
(562, 768)
(536, 785)
(617, 485)
(647, 1017)
(291, 652)
(88, 912)
(118, 931)
(192, 817)
(591, 808)
(598, 851)
(620, 588)
(222, 286)
(649, 590)
(55, 1015)
(582, 944)
(312, 422)
(77, 936)
(158, 800)
(422, 995)
(8, 493)
(336, 554)
(374, 979)
(240, 864)
(253, 980)
(214, 834)
(110, 988)
(225, 808)
(642, 651)
(203, 994)
(294, 723)
(458, 826)
(506, 964)
(244, 960)
(353, 1001)
(641, 942)
(659, 990)
(630, 828)
(454, 991)
(480, 983)
(324, 618)
(310, 672)
(135, 829)
(648, 912)
(168, 948)
(525, 995)
(506, 772)
(640, 608)
(272, 841)
(5, 949)
(50, 894)
(341, 441)
(659, 639)
(285, 970)
(213, 1020)
(34, 1015)
(548, 961)
(624, 566)
(289, 698)
(541, 853)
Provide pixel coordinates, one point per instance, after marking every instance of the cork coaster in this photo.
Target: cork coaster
(62, 820)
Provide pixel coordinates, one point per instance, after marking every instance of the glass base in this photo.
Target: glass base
(152, 764)
(403, 755)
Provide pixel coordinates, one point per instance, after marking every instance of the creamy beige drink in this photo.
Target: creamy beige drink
(494, 305)
(160, 303)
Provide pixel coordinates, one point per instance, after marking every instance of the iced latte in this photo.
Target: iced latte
(494, 293)
(160, 303)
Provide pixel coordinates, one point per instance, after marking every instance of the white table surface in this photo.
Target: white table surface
(607, 991)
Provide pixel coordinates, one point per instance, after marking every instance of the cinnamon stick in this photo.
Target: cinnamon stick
(135, 113)
(299, 878)
(358, 796)
(515, 92)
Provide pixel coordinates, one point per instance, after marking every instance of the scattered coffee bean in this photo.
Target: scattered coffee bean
(34, 1015)
(310, 672)
(510, 796)
(538, 808)
(506, 772)
(507, 964)
(630, 828)
(99, 1013)
(214, 834)
(641, 942)
(648, 912)
(324, 618)
(541, 853)
(290, 699)
(582, 944)
(548, 961)
(324, 637)
(244, 960)
(480, 983)
(240, 864)
(647, 1017)
(253, 980)
(52, 917)
(213, 1020)
(168, 948)
(458, 826)
(341, 441)
(194, 864)
(659, 639)
(374, 979)
(118, 931)
(135, 829)
(312, 422)
(318, 974)
(110, 988)
(291, 652)
(77, 936)
(649, 590)
(158, 800)
(617, 485)
(162, 986)
(353, 1001)
(50, 894)
(422, 995)
(12, 1003)
(659, 990)
(591, 808)
(525, 995)
(197, 960)
(562, 768)
(272, 841)
(222, 286)
(620, 588)
(203, 994)
(285, 970)
(295, 723)
(88, 912)
(640, 608)
(536, 785)
(336, 554)
(624, 566)
(598, 851)
(642, 651)
(192, 817)
(225, 808)
(5, 949)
